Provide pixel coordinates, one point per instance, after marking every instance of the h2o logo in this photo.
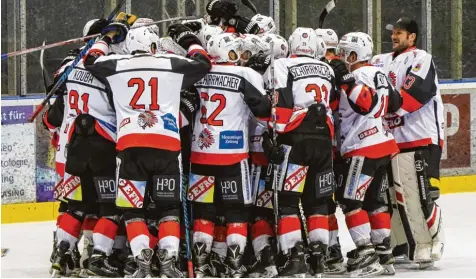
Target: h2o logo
(229, 186)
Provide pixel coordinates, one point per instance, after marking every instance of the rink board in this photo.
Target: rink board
(28, 175)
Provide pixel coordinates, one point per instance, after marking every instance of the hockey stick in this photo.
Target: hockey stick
(250, 6)
(187, 225)
(329, 7)
(275, 136)
(44, 73)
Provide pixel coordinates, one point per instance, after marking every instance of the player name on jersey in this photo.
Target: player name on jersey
(306, 70)
(220, 80)
(83, 76)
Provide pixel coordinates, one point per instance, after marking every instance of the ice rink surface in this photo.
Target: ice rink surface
(30, 244)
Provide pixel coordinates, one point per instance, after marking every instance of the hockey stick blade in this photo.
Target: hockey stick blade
(250, 6)
(69, 69)
(329, 7)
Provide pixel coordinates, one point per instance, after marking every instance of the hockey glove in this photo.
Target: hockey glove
(244, 25)
(118, 29)
(195, 26)
(221, 9)
(97, 26)
(344, 79)
(189, 102)
(72, 54)
(183, 35)
(274, 153)
(259, 62)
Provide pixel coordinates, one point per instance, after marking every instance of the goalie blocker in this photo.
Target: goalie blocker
(417, 222)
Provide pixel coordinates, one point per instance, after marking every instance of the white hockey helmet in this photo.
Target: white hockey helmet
(304, 41)
(224, 48)
(329, 36)
(143, 21)
(142, 39)
(280, 45)
(88, 25)
(358, 42)
(266, 24)
(207, 32)
(321, 48)
(251, 45)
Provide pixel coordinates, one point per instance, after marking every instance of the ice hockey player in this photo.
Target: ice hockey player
(266, 24)
(418, 129)
(219, 175)
(251, 45)
(330, 38)
(367, 147)
(223, 14)
(304, 125)
(146, 92)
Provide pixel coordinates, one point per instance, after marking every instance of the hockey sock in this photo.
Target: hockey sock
(105, 234)
(138, 235)
(333, 230)
(70, 227)
(203, 232)
(318, 228)
(261, 231)
(58, 219)
(236, 234)
(169, 235)
(89, 223)
(380, 224)
(359, 226)
(219, 242)
(289, 230)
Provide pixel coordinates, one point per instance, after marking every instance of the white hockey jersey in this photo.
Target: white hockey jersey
(419, 122)
(382, 61)
(257, 128)
(301, 82)
(361, 113)
(86, 94)
(228, 96)
(146, 93)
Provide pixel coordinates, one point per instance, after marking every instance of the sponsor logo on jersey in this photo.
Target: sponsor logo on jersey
(368, 133)
(205, 139)
(310, 70)
(255, 138)
(393, 78)
(70, 184)
(124, 122)
(295, 178)
(220, 80)
(200, 187)
(394, 122)
(132, 191)
(170, 123)
(231, 140)
(146, 119)
(417, 67)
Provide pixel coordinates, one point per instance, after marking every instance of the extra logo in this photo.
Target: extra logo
(124, 122)
(394, 122)
(205, 139)
(147, 119)
(393, 78)
(419, 165)
(368, 133)
(417, 67)
(305, 35)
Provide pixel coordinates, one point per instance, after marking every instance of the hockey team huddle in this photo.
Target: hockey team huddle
(224, 150)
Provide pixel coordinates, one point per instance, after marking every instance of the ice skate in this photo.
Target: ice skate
(218, 264)
(130, 265)
(295, 262)
(234, 261)
(60, 267)
(101, 266)
(317, 252)
(201, 265)
(363, 262)
(168, 265)
(334, 263)
(265, 265)
(386, 259)
(144, 261)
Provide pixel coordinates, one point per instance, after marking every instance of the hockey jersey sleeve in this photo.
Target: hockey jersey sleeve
(254, 94)
(419, 85)
(362, 99)
(53, 117)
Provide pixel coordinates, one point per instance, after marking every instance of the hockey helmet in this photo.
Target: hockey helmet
(358, 42)
(207, 32)
(142, 39)
(329, 36)
(266, 24)
(304, 41)
(280, 45)
(224, 48)
(251, 45)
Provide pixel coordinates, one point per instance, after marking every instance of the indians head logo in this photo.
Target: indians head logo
(147, 119)
(205, 139)
(393, 78)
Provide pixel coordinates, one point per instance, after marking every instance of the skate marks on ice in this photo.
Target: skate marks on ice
(5, 251)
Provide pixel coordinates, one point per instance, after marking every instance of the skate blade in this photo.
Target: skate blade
(299, 275)
(335, 270)
(389, 269)
(371, 270)
(270, 272)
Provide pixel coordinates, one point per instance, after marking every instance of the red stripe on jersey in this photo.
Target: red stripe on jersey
(148, 140)
(217, 159)
(237, 228)
(409, 104)
(60, 169)
(47, 124)
(289, 224)
(219, 234)
(283, 115)
(359, 218)
(415, 143)
(317, 222)
(364, 99)
(333, 225)
(334, 105)
(375, 151)
(103, 132)
(259, 159)
(204, 226)
(380, 221)
(330, 124)
(441, 142)
(70, 225)
(169, 228)
(134, 229)
(107, 228)
(261, 227)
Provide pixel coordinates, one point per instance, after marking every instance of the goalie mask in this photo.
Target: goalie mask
(329, 36)
(359, 43)
(207, 32)
(224, 48)
(280, 45)
(304, 42)
(142, 39)
(251, 45)
(266, 24)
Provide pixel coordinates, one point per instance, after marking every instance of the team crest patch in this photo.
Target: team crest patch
(205, 139)
(417, 67)
(329, 33)
(147, 119)
(305, 35)
(393, 78)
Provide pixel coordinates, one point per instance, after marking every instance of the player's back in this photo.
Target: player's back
(221, 129)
